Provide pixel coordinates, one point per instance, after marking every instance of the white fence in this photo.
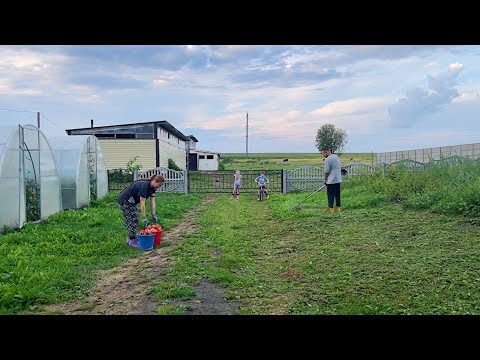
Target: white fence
(175, 181)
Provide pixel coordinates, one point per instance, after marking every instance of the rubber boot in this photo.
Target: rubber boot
(133, 242)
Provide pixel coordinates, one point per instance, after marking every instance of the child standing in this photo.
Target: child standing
(237, 184)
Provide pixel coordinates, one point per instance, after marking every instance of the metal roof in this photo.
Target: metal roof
(163, 124)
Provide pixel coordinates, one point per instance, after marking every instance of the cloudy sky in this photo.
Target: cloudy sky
(386, 98)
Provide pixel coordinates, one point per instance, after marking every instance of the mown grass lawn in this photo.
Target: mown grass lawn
(374, 258)
(55, 261)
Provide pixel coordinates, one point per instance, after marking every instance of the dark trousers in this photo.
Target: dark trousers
(130, 215)
(333, 192)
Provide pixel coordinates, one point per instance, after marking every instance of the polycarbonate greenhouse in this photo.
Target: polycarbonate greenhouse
(29, 182)
(81, 167)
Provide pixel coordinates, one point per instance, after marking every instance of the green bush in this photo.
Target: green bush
(132, 166)
(119, 176)
(173, 166)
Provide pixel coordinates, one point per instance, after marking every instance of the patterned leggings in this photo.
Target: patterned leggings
(130, 215)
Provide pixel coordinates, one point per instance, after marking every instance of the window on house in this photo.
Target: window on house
(144, 136)
(201, 156)
(169, 135)
(125, 136)
(105, 135)
(209, 156)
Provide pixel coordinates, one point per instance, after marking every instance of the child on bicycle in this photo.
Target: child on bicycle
(261, 181)
(237, 184)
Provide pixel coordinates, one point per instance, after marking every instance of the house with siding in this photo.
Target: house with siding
(153, 142)
(201, 159)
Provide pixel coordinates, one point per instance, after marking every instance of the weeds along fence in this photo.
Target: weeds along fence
(449, 186)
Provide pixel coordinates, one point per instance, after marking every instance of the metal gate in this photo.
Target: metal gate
(310, 178)
(222, 181)
(307, 178)
(175, 181)
(357, 168)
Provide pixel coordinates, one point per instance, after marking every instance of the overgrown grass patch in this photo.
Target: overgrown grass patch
(54, 261)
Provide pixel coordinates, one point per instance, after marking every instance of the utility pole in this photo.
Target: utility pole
(38, 119)
(246, 144)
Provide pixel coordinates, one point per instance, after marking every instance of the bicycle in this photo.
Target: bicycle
(262, 192)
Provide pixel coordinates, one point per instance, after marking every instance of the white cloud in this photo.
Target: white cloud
(350, 107)
(159, 82)
(235, 106)
(456, 67)
(4, 87)
(89, 99)
(431, 64)
(467, 96)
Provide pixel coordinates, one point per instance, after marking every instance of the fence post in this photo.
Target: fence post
(185, 181)
(284, 181)
(135, 175)
(384, 169)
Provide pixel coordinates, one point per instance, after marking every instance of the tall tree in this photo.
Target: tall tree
(331, 137)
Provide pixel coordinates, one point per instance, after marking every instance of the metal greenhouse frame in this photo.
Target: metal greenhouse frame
(29, 182)
(82, 170)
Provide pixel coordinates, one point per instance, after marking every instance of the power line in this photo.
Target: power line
(18, 110)
(62, 130)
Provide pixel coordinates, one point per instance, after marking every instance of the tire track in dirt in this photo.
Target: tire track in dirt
(125, 290)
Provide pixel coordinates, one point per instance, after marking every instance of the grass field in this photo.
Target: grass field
(366, 260)
(405, 243)
(274, 161)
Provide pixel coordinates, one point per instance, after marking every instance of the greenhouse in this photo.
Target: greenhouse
(82, 170)
(29, 183)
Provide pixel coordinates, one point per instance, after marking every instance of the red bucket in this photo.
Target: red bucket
(158, 238)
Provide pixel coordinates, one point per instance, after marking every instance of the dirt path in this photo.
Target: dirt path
(125, 290)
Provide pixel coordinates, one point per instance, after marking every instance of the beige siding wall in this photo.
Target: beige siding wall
(118, 152)
(170, 151)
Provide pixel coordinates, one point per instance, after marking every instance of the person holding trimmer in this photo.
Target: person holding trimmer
(333, 179)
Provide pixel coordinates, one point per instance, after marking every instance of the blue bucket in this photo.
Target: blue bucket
(145, 242)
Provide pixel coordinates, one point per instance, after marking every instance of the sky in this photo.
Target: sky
(386, 97)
